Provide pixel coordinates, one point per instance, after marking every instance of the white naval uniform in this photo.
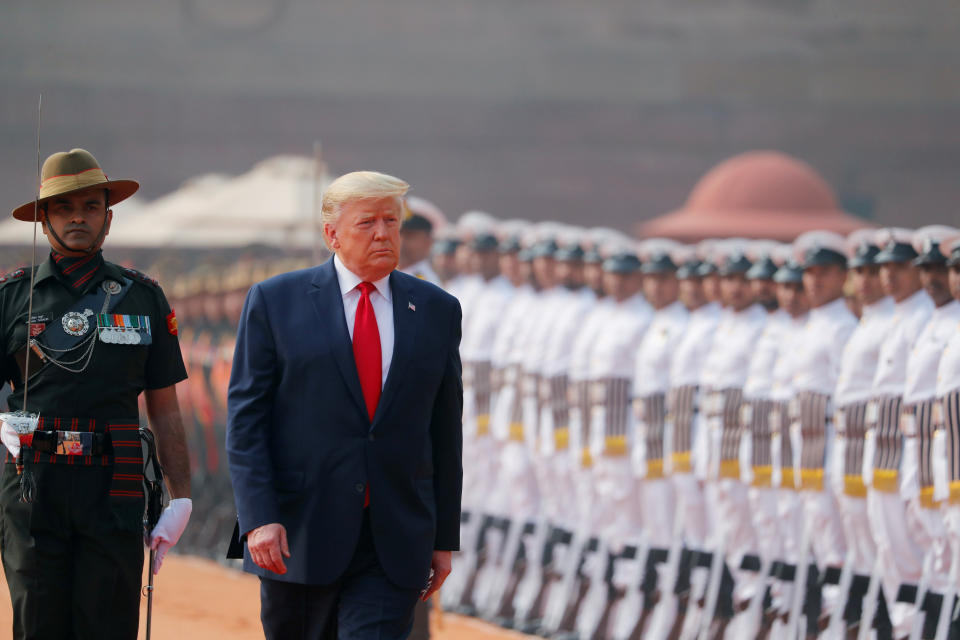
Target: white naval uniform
(681, 431)
(924, 451)
(771, 357)
(578, 450)
(724, 376)
(822, 341)
(788, 506)
(424, 271)
(686, 374)
(947, 417)
(465, 288)
(476, 352)
(886, 508)
(858, 365)
(651, 382)
(554, 463)
(616, 507)
(515, 493)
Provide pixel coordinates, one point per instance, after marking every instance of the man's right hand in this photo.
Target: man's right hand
(268, 547)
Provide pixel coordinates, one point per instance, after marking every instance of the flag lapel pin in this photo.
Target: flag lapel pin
(411, 306)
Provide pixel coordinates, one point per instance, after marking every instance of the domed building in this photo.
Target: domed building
(758, 194)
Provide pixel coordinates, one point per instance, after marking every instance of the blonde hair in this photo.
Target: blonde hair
(357, 186)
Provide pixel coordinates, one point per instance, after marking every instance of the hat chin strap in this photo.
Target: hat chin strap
(94, 246)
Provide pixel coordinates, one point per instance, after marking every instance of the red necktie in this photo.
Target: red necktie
(367, 354)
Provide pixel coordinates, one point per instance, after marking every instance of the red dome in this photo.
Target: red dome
(759, 194)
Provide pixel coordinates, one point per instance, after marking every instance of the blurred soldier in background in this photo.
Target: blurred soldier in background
(946, 417)
(823, 258)
(725, 373)
(650, 453)
(925, 451)
(443, 259)
(682, 427)
(755, 462)
(416, 238)
(858, 364)
(898, 560)
(615, 512)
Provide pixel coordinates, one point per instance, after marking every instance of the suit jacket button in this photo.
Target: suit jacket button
(359, 487)
(371, 437)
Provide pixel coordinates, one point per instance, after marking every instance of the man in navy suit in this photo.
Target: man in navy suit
(344, 429)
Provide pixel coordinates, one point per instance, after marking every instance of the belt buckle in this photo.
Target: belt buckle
(74, 443)
(598, 393)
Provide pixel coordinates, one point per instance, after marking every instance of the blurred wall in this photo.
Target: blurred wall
(541, 108)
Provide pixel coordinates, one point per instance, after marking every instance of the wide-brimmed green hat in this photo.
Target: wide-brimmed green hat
(68, 171)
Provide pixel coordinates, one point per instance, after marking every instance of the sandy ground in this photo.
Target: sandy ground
(198, 599)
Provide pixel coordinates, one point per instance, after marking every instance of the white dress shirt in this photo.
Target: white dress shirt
(821, 346)
(582, 345)
(572, 315)
(909, 318)
(733, 345)
(424, 271)
(539, 328)
(691, 351)
(925, 357)
(858, 365)
(651, 371)
(506, 343)
(382, 301)
(614, 352)
(785, 365)
(948, 371)
(488, 314)
(759, 384)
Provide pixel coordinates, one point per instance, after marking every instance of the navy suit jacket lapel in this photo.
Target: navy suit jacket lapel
(404, 339)
(328, 303)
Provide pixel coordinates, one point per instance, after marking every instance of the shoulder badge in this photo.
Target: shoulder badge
(142, 277)
(172, 325)
(13, 276)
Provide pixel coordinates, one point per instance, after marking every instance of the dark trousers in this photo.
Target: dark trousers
(361, 605)
(71, 572)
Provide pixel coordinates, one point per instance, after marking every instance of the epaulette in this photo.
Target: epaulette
(142, 277)
(13, 276)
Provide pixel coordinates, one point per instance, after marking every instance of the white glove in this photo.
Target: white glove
(10, 438)
(169, 528)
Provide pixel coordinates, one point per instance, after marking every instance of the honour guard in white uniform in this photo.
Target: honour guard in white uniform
(786, 316)
(898, 560)
(724, 376)
(476, 353)
(551, 536)
(683, 428)
(563, 600)
(946, 416)
(924, 447)
(772, 483)
(615, 511)
(423, 219)
(858, 364)
(829, 326)
(637, 576)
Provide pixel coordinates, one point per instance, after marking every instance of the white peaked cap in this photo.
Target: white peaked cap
(858, 238)
(430, 211)
(818, 239)
(900, 235)
(935, 233)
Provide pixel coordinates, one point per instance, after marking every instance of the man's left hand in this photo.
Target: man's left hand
(440, 566)
(169, 528)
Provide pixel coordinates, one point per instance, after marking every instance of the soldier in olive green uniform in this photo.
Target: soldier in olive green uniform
(98, 335)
